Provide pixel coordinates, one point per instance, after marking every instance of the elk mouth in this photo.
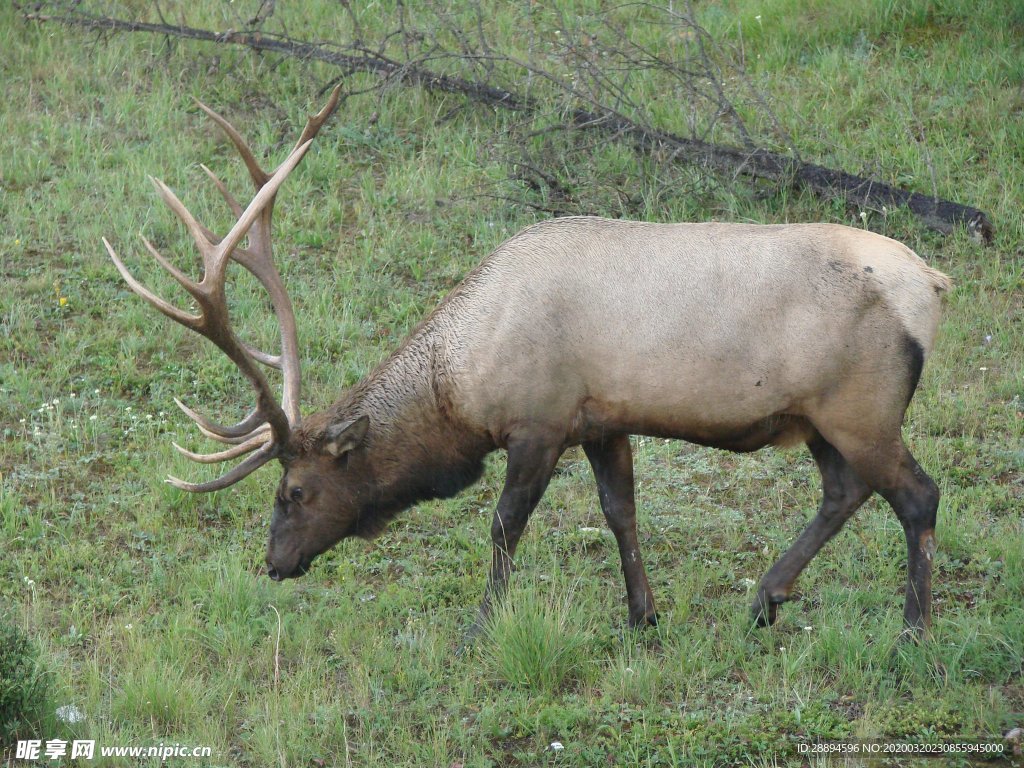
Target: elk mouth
(278, 574)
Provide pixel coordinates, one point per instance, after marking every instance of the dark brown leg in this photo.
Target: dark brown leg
(844, 493)
(890, 470)
(915, 500)
(530, 465)
(612, 462)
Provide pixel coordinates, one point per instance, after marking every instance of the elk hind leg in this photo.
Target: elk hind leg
(843, 494)
(877, 453)
(895, 474)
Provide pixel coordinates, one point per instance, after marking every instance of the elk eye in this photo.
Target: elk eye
(296, 494)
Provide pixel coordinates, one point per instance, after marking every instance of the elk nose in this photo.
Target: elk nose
(272, 572)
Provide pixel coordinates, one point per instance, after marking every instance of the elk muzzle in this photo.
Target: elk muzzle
(281, 567)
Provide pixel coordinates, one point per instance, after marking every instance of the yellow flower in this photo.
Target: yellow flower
(63, 301)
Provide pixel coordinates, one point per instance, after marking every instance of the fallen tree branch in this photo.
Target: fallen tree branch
(752, 161)
(940, 215)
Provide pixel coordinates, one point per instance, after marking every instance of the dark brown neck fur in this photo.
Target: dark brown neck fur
(413, 450)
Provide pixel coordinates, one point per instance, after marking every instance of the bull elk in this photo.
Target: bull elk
(584, 331)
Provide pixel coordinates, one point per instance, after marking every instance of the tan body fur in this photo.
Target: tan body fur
(694, 331)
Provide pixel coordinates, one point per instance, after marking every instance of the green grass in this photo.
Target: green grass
(147, 604)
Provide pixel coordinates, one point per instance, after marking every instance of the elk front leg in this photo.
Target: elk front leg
(531, 463)
(612, 462)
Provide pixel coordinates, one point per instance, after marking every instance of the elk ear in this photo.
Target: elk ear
(342, 438)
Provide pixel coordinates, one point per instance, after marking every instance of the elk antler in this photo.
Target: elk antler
(265, 430)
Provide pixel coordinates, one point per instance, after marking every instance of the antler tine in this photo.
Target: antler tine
(269, 360)
(189, 321)
(222, 188)
(315, 122)
(259, 176)
(239, 450)
(225, 434)
(184, 280)
(197, 230)
(258, 459)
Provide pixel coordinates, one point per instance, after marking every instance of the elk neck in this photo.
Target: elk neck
(417, 448)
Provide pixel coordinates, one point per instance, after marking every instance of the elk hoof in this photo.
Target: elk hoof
(647, 620)
(765, 608)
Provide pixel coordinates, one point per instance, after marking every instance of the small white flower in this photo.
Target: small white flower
(69, 713)
(93, 417)
(127, 626)
(557, 746)
(808, 629)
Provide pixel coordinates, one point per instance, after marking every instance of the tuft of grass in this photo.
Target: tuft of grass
(536, 639)
(633, 676)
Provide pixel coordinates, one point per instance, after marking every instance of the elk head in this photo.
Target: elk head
(267, 432)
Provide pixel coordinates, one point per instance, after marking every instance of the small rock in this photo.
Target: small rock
(1016, 737)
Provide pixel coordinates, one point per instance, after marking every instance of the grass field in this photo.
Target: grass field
(148, 604)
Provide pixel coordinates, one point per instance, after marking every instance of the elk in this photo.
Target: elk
(584, 331)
